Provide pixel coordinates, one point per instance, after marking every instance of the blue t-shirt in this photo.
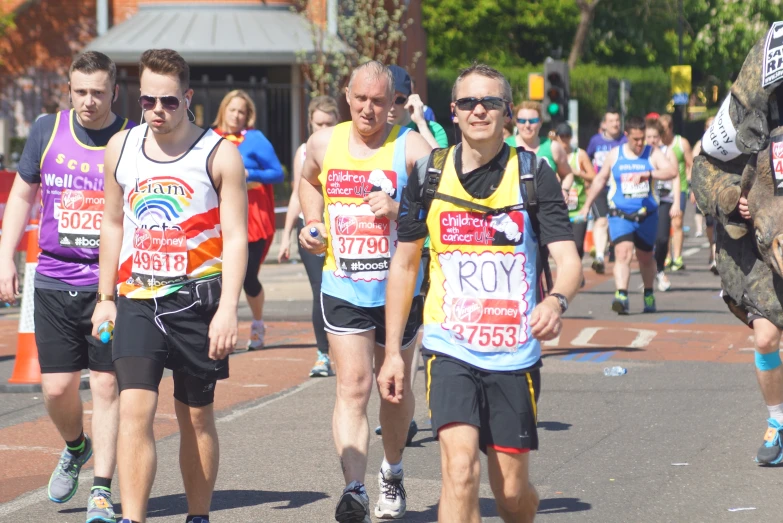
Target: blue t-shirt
(625, 195)
(599, 147)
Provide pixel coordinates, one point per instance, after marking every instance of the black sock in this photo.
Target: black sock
(77, 446)
(623, 292)
(101, 483)
(192, 518)
(648, 292)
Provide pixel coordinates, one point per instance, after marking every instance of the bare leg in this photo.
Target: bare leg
(137, 459)
(623, 253)
(199, 454)
(601, 236)
(516, 498)
(646, 267)
(396, 419)
(677, 237)
(256, 304)
(461, 471)
(353, 357)
(63, 403)
(767, 339)
(105, 417)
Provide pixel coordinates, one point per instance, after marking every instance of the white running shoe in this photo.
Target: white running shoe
(663, 282)
(257, 331)
(391, 502)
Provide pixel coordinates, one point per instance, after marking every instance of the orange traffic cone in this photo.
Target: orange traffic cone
(27, 370)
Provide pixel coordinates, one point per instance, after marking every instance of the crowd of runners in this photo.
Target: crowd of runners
(409, 245)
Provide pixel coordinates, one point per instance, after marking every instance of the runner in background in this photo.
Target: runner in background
(64, 156)
(584, 173)
(709, 221)
(235, 121)
(609, 137)
(407, 111)
(528, 121)
(322, 113)
(669, 201)
(682, 151)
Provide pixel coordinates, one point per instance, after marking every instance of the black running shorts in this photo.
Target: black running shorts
(600, 207)
(63, 332)
(342, 317)
(179, 340)
(501, 404)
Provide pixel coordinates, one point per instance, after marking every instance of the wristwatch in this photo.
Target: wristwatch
(105, 297)
(561, 300)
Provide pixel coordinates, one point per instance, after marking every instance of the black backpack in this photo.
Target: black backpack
(429, 181)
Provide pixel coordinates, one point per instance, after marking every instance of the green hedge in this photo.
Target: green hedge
(649, 90)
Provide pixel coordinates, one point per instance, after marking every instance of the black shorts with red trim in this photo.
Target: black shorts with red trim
(501, 404)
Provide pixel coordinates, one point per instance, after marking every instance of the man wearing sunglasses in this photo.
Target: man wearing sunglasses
(355, 173)
(484, 317)
(528, 126)
(408, 111)
(64, 157)
(174, 243)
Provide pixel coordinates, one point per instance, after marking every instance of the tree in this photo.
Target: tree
(586, 13)
(6, 23)
(366, 30)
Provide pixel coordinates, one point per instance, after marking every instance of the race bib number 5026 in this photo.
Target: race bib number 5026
(79, 215)
(485, 305)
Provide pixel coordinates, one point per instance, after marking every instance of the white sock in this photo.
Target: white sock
(397, 467)
(775, 412)
(258, 323)
(599, 256)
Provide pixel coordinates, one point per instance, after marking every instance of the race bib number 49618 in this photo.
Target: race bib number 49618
(159, 257)
(79, 215)
(485, 306)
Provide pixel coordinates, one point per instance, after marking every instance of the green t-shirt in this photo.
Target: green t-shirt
(544, 150)
(577, 194)
(679, 153)
(437, 131)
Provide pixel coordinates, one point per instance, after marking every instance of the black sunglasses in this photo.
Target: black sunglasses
(488, 102)
(400, 100)
(169, 103)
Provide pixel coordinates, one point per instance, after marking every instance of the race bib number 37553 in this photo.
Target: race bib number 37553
(79, 215)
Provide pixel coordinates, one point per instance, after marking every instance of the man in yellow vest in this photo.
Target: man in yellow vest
(355, 174)
(484, 315)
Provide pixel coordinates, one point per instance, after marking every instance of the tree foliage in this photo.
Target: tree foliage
(366, 30)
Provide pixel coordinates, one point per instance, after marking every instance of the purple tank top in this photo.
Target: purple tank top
(71, 206)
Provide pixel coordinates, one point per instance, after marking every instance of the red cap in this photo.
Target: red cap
(652, 116)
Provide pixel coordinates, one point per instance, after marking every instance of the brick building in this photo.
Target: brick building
(250, 44)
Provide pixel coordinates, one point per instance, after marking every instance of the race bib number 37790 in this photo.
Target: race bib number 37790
(79, 215)
(361, 243)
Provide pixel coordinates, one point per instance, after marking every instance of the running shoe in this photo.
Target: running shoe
(257, 331)
(391, 502)
(99, 507)
(413, 429)
(667, 263)
(354, 505)
(714, 268)
(598, 266)
(771, 452)
(678, 264)
(620, 304)
(649, 303)
(322, 367)
(663, 282)
(65, 478)
(698, 234)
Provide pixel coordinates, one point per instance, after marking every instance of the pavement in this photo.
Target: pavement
(671, 441)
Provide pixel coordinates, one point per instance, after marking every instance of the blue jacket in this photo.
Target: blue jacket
(260, 159)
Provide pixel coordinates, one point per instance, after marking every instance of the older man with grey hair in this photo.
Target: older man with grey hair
(354, 175)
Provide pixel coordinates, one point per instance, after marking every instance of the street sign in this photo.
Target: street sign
(680, 98)
(535, 87)
(681, 83)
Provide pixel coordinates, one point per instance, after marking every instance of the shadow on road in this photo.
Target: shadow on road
(565, 351)
(554, 426)
(561, 505)
(175, 505)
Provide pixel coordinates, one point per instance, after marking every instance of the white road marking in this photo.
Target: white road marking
(241, 412)
(643, 337)
(690, 252)
(22, 448)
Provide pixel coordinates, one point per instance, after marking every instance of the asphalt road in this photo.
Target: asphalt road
(671, 441)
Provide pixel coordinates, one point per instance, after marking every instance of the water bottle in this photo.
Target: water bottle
(315, 233)
(615, 371)
(106, 331)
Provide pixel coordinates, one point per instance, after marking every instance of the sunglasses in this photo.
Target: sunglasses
(531, 121)
(488, 102)
(400, 100)
(169, 103)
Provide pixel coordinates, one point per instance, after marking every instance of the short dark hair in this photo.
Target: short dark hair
(91, 62)
(611, 110)
(635, 122)
(487, 72)
(166, 61)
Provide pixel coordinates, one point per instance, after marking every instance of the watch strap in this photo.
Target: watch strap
(561, 300)
(105, 297)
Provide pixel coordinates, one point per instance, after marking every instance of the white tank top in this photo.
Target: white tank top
(171, 227)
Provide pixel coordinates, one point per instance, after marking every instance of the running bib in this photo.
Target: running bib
(79, 215)
(664, 187)
(632, 190)
(573, 199)
(484, 305)
(160, 257)
(361, 243)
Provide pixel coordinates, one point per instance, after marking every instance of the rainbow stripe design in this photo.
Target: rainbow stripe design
(160, 199)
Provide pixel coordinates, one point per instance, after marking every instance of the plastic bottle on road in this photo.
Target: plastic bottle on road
(315, 233)
(106, 331)
(615, 371)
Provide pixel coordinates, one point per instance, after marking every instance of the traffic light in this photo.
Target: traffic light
(556, 91)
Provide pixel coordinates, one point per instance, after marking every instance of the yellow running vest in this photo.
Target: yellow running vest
(359, 245)
(483, 276)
